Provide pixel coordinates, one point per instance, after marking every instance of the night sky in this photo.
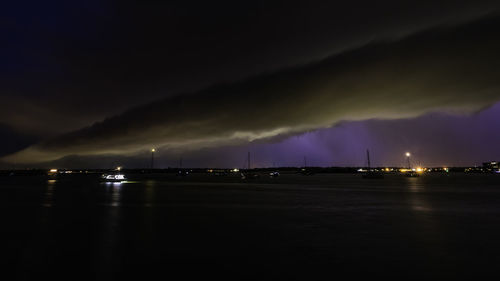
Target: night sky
(100, 83)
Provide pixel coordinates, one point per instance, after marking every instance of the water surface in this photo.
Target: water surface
(317, 227)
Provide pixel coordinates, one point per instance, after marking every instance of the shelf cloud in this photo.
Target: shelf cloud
(451, 68)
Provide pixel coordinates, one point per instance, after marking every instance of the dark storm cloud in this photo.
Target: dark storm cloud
(77, 62)
(13, 141)
(452, 68)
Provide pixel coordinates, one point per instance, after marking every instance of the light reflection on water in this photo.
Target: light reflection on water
(428, 228)
(417, 200)
(109, 228)
(113, 190)
(48, 196)
(149, 193)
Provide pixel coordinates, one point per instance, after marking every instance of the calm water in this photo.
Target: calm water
(293, 227)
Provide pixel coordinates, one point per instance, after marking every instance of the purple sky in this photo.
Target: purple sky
(475, 139)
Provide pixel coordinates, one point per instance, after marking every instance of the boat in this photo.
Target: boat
(52, 174)
(115, 176)
(410, 172)
(274, 174)
(370, 173)
(247, 175)
(373, 175)
(305, 171)
(182, 172)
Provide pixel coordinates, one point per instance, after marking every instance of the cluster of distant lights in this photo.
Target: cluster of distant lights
(408, 170)
(55, 171)
(235, 170)
(405, 170)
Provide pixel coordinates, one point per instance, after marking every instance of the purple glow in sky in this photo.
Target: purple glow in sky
(474, 138)
(434, 140)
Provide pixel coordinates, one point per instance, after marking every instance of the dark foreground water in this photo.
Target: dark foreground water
(321, 227)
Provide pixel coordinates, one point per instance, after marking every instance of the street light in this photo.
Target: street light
(152, 157)
(408, 158)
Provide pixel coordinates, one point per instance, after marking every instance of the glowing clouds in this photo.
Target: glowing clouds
(431, 71)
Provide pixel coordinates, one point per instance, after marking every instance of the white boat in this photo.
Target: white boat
(274, 174)
(113, 177)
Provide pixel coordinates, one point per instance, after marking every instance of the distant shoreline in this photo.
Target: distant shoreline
(319, 170)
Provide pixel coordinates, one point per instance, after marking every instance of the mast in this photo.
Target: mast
(368, 157)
